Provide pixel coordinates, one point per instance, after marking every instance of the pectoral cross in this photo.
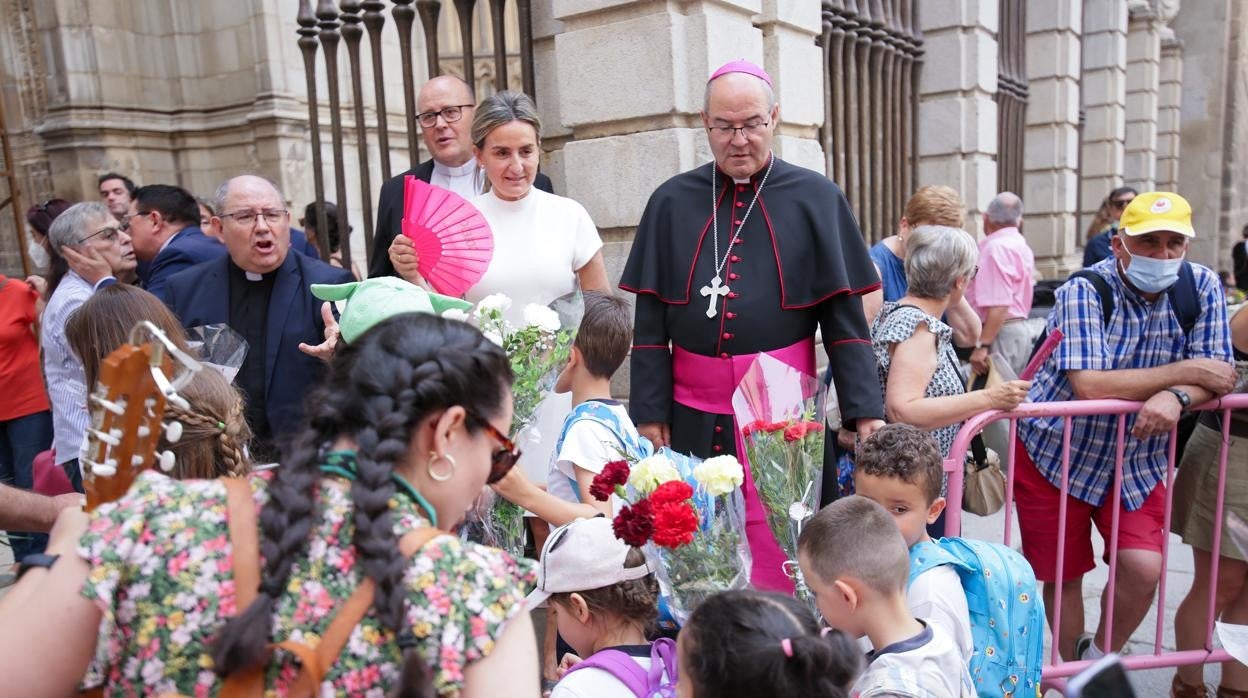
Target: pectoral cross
(714, 291)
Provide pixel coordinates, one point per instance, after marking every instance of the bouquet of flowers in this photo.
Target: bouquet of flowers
(780, 412)
(689, 517)
(538, 351)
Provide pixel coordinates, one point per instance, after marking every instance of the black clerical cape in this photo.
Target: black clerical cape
(798, 262)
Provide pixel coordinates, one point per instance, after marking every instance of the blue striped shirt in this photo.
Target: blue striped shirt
(1140, 334)
(67, 381)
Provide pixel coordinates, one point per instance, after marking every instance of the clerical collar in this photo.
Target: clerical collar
(463, 170)
(741, 181)
(250, 276)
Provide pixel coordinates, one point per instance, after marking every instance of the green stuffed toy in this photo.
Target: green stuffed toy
(373, 300)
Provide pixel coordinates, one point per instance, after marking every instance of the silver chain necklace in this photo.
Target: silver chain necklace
(716, 289)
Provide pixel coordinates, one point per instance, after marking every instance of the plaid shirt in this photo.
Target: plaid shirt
(1139, 334)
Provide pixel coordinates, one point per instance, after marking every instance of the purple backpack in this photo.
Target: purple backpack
(630, 673)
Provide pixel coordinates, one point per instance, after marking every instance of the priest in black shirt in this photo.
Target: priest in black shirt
(744, 255)
(262, 292)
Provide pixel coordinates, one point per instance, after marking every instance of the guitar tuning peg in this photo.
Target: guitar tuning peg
(136, 461)
(167, 460)
(173, 431)
(144, 432)
(106, 469)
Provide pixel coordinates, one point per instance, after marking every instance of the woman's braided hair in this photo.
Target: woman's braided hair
(378, 389)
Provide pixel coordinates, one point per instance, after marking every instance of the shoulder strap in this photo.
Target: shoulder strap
(663, 659)
(245, 543)
(1103, 290)
(1184, 298)
(619, 665)
(245, 547)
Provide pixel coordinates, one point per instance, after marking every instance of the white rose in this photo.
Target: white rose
(719, 475)
(541, 317)
(494, 301)
(651, 472)
(455, 314)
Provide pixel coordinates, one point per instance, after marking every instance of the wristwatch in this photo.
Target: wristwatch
(1185, 400)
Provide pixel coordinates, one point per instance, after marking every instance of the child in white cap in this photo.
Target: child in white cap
(604, 597)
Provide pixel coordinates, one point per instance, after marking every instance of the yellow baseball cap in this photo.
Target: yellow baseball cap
(1156, 211)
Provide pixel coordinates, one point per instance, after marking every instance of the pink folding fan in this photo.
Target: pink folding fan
(451, 237)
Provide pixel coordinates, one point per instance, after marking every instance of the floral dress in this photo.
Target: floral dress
(161, 574)
(895, 324)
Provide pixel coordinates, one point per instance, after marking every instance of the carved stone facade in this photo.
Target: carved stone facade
(1136, 91)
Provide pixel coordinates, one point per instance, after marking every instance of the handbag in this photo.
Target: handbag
(983, 483)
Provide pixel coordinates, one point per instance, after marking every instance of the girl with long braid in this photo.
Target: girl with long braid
(405, 432)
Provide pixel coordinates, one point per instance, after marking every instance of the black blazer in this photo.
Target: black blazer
(390, 215)
(201, 296)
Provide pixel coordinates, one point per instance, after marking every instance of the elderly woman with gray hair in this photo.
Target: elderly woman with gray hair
(913, 347)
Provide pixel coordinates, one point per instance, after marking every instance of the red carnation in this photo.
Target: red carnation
(671, 491)
(674, 524)
(613, 474)
(634, 524)
(795, 431)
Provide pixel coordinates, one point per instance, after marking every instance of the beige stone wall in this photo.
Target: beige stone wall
(1104, 100)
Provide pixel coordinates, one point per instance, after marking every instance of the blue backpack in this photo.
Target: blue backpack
(628, 441)
(1007, 612)
(643, 684)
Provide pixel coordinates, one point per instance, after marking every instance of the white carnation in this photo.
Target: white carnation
(719, 475)
(541, 317)
(493, 337)
(651, 472)
(455, 314)
(494, 301)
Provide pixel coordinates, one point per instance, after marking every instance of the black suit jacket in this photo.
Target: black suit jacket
(201, 296)
(390, 215)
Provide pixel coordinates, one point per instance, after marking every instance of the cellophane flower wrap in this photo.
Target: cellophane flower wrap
(779, 410)
(689, 517)
(538, 350)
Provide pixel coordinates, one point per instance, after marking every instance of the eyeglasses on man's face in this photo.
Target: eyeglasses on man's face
(749, 130)
(110, 233)
(272, 216)
(449, 114)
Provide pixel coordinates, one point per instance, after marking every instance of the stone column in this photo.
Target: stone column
(1169, 99)
(1104, 97)
(1143, 91)
(1051, 152)
(794, 63)
(957, 140)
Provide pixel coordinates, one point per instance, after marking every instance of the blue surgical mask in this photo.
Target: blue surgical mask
(1151, 275)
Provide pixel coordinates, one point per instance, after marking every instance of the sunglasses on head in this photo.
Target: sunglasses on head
(503, 459)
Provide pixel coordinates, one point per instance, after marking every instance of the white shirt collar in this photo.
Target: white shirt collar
(463, 170)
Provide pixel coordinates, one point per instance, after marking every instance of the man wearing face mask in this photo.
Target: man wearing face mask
(1165, 342)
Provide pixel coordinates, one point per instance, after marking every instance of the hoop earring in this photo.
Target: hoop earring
(441, 477)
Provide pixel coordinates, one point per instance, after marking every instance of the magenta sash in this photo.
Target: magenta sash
(706, 384)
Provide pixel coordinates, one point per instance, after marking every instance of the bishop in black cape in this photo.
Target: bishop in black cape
(799, 262)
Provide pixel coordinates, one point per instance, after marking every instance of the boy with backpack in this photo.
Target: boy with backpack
(855, 561)
(1143, 325)
(604, 598)
(596, 432)
(982, 594)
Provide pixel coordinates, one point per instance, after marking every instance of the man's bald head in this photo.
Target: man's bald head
(740, 118)
(736, 83)
(254, 223)
(449, 142)
(1004, 211)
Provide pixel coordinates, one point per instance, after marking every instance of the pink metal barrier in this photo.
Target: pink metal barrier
(1056, 669)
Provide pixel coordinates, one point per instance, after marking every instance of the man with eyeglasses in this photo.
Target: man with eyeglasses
(163, 223)
(447, 106)
(263, 293)
(745, 255)
(89, 238)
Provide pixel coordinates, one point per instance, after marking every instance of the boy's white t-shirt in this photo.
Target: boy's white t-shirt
(927, 665)
(936, 596)
(599, 683)
(589, 445)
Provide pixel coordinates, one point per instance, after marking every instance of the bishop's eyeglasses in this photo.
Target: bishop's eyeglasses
(749, 130)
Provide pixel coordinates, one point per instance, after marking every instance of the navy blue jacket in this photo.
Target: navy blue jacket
(299, 243)
(188, 247)
(201, 296)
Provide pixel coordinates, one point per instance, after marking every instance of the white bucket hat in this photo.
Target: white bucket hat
(580, 556)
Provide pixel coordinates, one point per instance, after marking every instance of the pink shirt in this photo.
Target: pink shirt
(1006, 265)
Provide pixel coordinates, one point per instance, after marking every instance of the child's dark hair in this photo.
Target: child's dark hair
(634, 601)
(605, 334)
(906, 453)
(378, 390)
(752, 644)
